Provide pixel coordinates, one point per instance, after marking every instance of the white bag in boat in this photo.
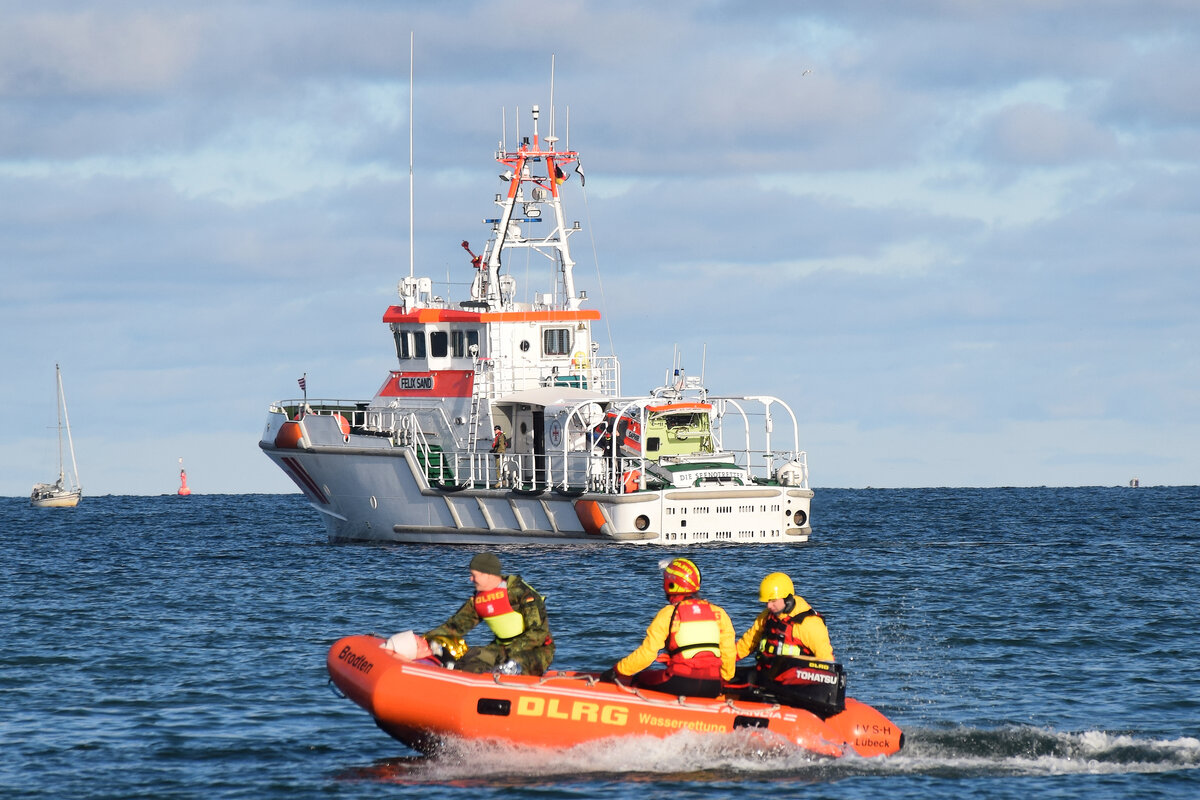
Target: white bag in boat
(405, 645)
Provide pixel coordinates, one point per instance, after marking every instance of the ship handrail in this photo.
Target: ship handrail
(602, 374)
(769, 460)
(603, 472)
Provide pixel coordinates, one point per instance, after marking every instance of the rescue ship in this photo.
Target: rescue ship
(581, 460)
(423, 705)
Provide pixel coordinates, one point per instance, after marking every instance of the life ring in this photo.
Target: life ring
(579, 360)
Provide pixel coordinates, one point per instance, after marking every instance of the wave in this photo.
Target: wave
(960, 752)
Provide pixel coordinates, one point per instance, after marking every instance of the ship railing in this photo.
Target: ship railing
(742, 428)
(575, 472)
(759, 450)
(595, 373)
(566, 472)
(353, 411)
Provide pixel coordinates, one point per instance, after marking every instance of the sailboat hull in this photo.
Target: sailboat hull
(58, 500)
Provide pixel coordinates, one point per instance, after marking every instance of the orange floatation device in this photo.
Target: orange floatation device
(421, 703)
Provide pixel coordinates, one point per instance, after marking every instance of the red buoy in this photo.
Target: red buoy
(184, 491)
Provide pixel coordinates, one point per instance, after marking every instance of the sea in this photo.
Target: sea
(1031, 642)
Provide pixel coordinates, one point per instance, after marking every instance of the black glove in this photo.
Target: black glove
(608, 676)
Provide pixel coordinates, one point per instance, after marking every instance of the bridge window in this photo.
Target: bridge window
(556, 341)
(439, 344)
(409, 344)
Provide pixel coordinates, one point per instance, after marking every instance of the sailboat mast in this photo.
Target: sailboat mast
(62, 398)
(58, 410)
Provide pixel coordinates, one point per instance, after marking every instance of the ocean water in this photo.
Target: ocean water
(1030, 642)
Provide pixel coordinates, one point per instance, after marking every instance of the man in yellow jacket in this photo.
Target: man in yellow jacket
(696, 635)
(787, 627)
(795, 663)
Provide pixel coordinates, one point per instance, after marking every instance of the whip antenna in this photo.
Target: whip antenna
(411, 256)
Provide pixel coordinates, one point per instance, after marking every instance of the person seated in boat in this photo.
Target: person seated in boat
(696, 635)
(516, 614)
(794, 662)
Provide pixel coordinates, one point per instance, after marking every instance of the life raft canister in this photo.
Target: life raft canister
(631, 481)
(494, 608)
(693, 647)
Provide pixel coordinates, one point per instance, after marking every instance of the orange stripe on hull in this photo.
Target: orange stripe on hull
(422, 704)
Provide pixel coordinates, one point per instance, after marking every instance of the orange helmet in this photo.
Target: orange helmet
(681, 576)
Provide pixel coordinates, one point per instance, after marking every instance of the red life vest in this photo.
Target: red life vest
(693, 645)
(494, 608)
(779, 636)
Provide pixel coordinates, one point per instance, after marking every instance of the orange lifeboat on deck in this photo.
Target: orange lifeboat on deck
(422, 704)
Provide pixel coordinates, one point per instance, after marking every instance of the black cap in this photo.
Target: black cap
(486, 562)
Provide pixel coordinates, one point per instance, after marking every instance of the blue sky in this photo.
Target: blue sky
(961, 239)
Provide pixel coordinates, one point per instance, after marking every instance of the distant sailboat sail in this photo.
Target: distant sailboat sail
(66, 491)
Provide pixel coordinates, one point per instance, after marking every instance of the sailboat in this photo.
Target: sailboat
(66, 491)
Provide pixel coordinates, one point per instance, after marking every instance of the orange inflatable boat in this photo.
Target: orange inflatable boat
(422, 704)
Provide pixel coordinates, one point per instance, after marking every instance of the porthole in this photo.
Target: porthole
(524, 346)
(642, 522)
(374, 503)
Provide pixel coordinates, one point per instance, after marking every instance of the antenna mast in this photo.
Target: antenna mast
(411, 255)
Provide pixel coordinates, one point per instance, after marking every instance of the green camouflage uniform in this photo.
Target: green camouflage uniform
(533, 648)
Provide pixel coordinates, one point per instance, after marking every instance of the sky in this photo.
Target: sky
(960, 239)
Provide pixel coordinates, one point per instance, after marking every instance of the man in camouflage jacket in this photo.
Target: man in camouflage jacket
(516, 615)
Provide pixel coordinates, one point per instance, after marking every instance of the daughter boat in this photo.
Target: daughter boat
(423, 705)
(573, 459)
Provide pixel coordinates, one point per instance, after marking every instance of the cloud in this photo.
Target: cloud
(1033, 134)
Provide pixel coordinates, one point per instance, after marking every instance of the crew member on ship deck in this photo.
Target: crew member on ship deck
(499, 447)
(697, 636)
(516, 614)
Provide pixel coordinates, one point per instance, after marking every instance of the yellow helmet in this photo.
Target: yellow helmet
(455, 646)
(775, 586)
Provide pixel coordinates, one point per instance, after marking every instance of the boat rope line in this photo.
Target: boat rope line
(587, 213)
